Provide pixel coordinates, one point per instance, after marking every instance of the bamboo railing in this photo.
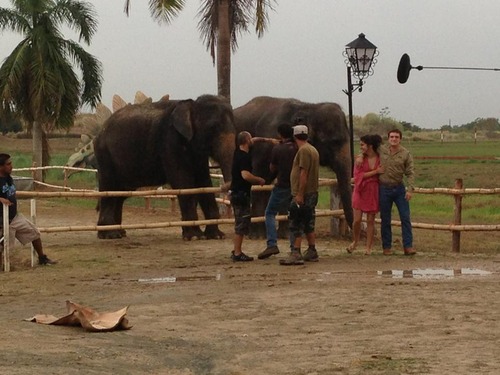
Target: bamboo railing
(456, 228)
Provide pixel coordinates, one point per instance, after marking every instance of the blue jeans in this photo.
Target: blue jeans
(278, 201)
(388, 196)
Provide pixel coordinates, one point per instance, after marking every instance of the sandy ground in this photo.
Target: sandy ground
(337, 316)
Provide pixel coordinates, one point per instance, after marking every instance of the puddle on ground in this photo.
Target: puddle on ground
(433, 273)
(172, 279)
(419, 273)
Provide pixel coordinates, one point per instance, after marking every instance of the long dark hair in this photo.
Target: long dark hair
(373, 140)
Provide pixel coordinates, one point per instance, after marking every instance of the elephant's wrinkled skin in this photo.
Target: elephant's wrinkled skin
(165, 142)
(328, 132)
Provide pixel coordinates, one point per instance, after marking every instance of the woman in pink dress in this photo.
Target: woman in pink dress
(365, 194)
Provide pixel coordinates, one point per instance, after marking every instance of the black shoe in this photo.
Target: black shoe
(45, 261)
(240, 258)
(271, 250)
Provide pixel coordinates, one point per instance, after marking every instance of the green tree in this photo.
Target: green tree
(221, 21)
(9, 124)
(373, 123)
(37, 80)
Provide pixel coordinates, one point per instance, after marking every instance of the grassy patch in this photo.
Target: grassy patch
(466, 148)
(389, 366)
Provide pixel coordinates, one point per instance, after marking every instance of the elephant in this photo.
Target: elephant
(169, 141)
(328, 132)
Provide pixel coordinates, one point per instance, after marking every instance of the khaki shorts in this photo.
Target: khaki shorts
(22, 229)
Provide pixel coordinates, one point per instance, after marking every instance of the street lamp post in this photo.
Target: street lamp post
(360, 58)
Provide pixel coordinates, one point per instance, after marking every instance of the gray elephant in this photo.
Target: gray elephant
(328, 132)
(169, 141)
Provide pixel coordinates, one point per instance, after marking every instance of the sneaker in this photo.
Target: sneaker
(294, 259)
(45, 261)
(311, 255)
(240, 258)
(270, 250)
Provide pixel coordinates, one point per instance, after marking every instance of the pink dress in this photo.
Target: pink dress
(365, 194)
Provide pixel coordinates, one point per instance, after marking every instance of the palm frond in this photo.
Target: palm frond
(91, 70)
(242, 13)
(13, 21)
(207, 26)
(262, 16)
(164, 11)
(127, 7)
(12, 76)
(78, 15)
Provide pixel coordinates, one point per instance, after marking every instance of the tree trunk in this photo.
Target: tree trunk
(37, 134)
(224, 51)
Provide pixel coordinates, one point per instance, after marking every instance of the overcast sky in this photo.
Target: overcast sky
(300, 55)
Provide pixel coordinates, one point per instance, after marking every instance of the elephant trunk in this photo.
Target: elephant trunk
(223, 154)
(342, 169)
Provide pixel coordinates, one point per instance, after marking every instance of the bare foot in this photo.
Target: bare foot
(351, 247)
(368, 251)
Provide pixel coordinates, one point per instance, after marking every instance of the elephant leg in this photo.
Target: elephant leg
(211, 211)
(110, 213)
(187, 204)
(119, 214)
(207, 202)
(259, 204)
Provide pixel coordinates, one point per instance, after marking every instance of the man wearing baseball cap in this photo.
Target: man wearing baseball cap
(304, 183)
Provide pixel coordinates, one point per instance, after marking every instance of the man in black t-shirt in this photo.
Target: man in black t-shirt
(281, 165)
(19, 227)
(242, 180)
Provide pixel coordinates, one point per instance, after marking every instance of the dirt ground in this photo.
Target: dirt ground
(337, 316)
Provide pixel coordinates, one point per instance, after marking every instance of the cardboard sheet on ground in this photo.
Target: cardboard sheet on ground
(87, 318)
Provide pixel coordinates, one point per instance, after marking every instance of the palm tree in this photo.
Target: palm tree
(220, 24)
(37, 80)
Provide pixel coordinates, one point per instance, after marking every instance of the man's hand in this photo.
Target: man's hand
(408, 196)
(5, 201)
(225, 187)
(299, 199)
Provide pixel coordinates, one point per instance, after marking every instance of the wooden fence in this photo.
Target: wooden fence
(338, 225)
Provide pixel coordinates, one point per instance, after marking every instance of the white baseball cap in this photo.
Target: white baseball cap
(300, 129)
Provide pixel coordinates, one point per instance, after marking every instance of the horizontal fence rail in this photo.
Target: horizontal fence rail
(457, 191)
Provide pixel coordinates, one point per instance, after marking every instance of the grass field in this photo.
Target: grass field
(436, 208)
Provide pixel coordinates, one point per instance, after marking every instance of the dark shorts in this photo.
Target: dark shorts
(242, 214)
(302, 219)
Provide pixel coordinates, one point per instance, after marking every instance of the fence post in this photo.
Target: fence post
(33, 220)
(65, 181)
(457, 220)
(33, 173)
(6, 238)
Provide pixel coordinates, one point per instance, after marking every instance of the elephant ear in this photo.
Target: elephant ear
(182, 119)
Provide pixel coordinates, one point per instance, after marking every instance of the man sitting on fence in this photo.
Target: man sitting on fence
(20, 227)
